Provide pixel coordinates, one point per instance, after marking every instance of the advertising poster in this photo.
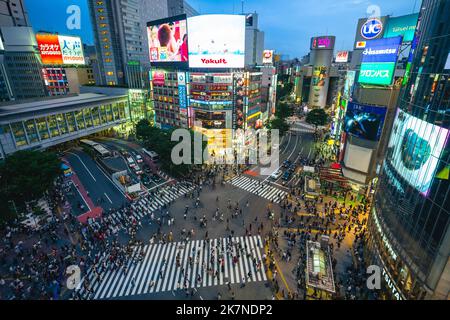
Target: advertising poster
(349, 82)
(322, 43)
(158, 78)
(182, 92)
(319, 76)
(71, 50)
(217, 41)
(363, 121)
(267, 57)
(404, 26)
(60, 50)
(416, 147)
(50, 49)
(342, 56)
(379, 60)
(382, 50)
(168, 40)
(377, 73)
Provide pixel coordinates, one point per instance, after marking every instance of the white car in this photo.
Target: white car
(138, 158)
(131, 162)
(276, 175)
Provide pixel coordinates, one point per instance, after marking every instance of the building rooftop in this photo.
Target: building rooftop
(41, 105)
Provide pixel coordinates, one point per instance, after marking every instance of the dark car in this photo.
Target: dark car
(286, 163)
(286, 175)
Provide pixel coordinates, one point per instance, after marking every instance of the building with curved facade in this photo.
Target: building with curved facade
(409, 234)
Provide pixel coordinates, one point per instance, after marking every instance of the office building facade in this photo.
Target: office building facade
(121, 37)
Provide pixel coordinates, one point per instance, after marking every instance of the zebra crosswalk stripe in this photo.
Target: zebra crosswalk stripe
(263, 190)
(158, 263)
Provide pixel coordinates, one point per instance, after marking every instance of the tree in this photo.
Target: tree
(161, 142)
(280, 124)
(283, 111)
(317, 117)
(26, 175)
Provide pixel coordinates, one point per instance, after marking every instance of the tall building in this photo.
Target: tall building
(322, 49)
(20, 65)
(13, 14)
(121, 37)
(409, 233)
(177, 7)
(254, 41)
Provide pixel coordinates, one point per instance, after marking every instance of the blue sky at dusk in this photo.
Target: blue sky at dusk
(288, 24)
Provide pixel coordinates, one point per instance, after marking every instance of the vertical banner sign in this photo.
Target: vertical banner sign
(182, 92)
(239, 94)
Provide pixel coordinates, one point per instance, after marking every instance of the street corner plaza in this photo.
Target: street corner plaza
(158, 268)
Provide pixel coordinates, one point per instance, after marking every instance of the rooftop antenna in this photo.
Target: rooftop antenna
(242, 6)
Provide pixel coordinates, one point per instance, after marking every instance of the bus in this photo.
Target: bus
(88, 143)
(151, 154)
(98, 148)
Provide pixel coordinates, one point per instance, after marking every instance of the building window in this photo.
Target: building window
(19, 134)
(31, 131)
(42, 127)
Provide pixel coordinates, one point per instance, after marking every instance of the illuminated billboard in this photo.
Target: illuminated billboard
(342, 56)
(267, 57)
(379, 59)
(404, 26)
(322, 43)
(349, 82)
(416, 147)
(168, 41)
(369, 29)
(377, 73)
(382, 50)
(158, 77)
(60, 50)
(363, 121)
(239, 94)
(217, 41)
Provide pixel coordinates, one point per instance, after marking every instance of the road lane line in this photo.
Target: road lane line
(84, 165)
(108, 198)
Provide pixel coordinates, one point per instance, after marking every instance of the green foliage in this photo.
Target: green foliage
(25, 176)
(283, 111)
(160, 141)
(280, 124)
(317, 117)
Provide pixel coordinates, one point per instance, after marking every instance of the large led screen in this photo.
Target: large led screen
(168, 41)
(416, 147)
(402, 26)
(364, 121)
(217, 41)
(60, 50)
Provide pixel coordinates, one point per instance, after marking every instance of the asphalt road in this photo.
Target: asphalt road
(95, 181)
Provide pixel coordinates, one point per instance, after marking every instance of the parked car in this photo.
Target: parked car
(131, 162)
(138, 158)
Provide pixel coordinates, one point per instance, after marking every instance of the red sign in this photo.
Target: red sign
(159, 78)
(342, 56)
(50, 49)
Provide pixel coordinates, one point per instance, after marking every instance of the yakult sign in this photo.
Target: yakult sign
(216, 41)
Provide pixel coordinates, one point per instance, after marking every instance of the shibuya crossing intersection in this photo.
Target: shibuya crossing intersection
(150, 151)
